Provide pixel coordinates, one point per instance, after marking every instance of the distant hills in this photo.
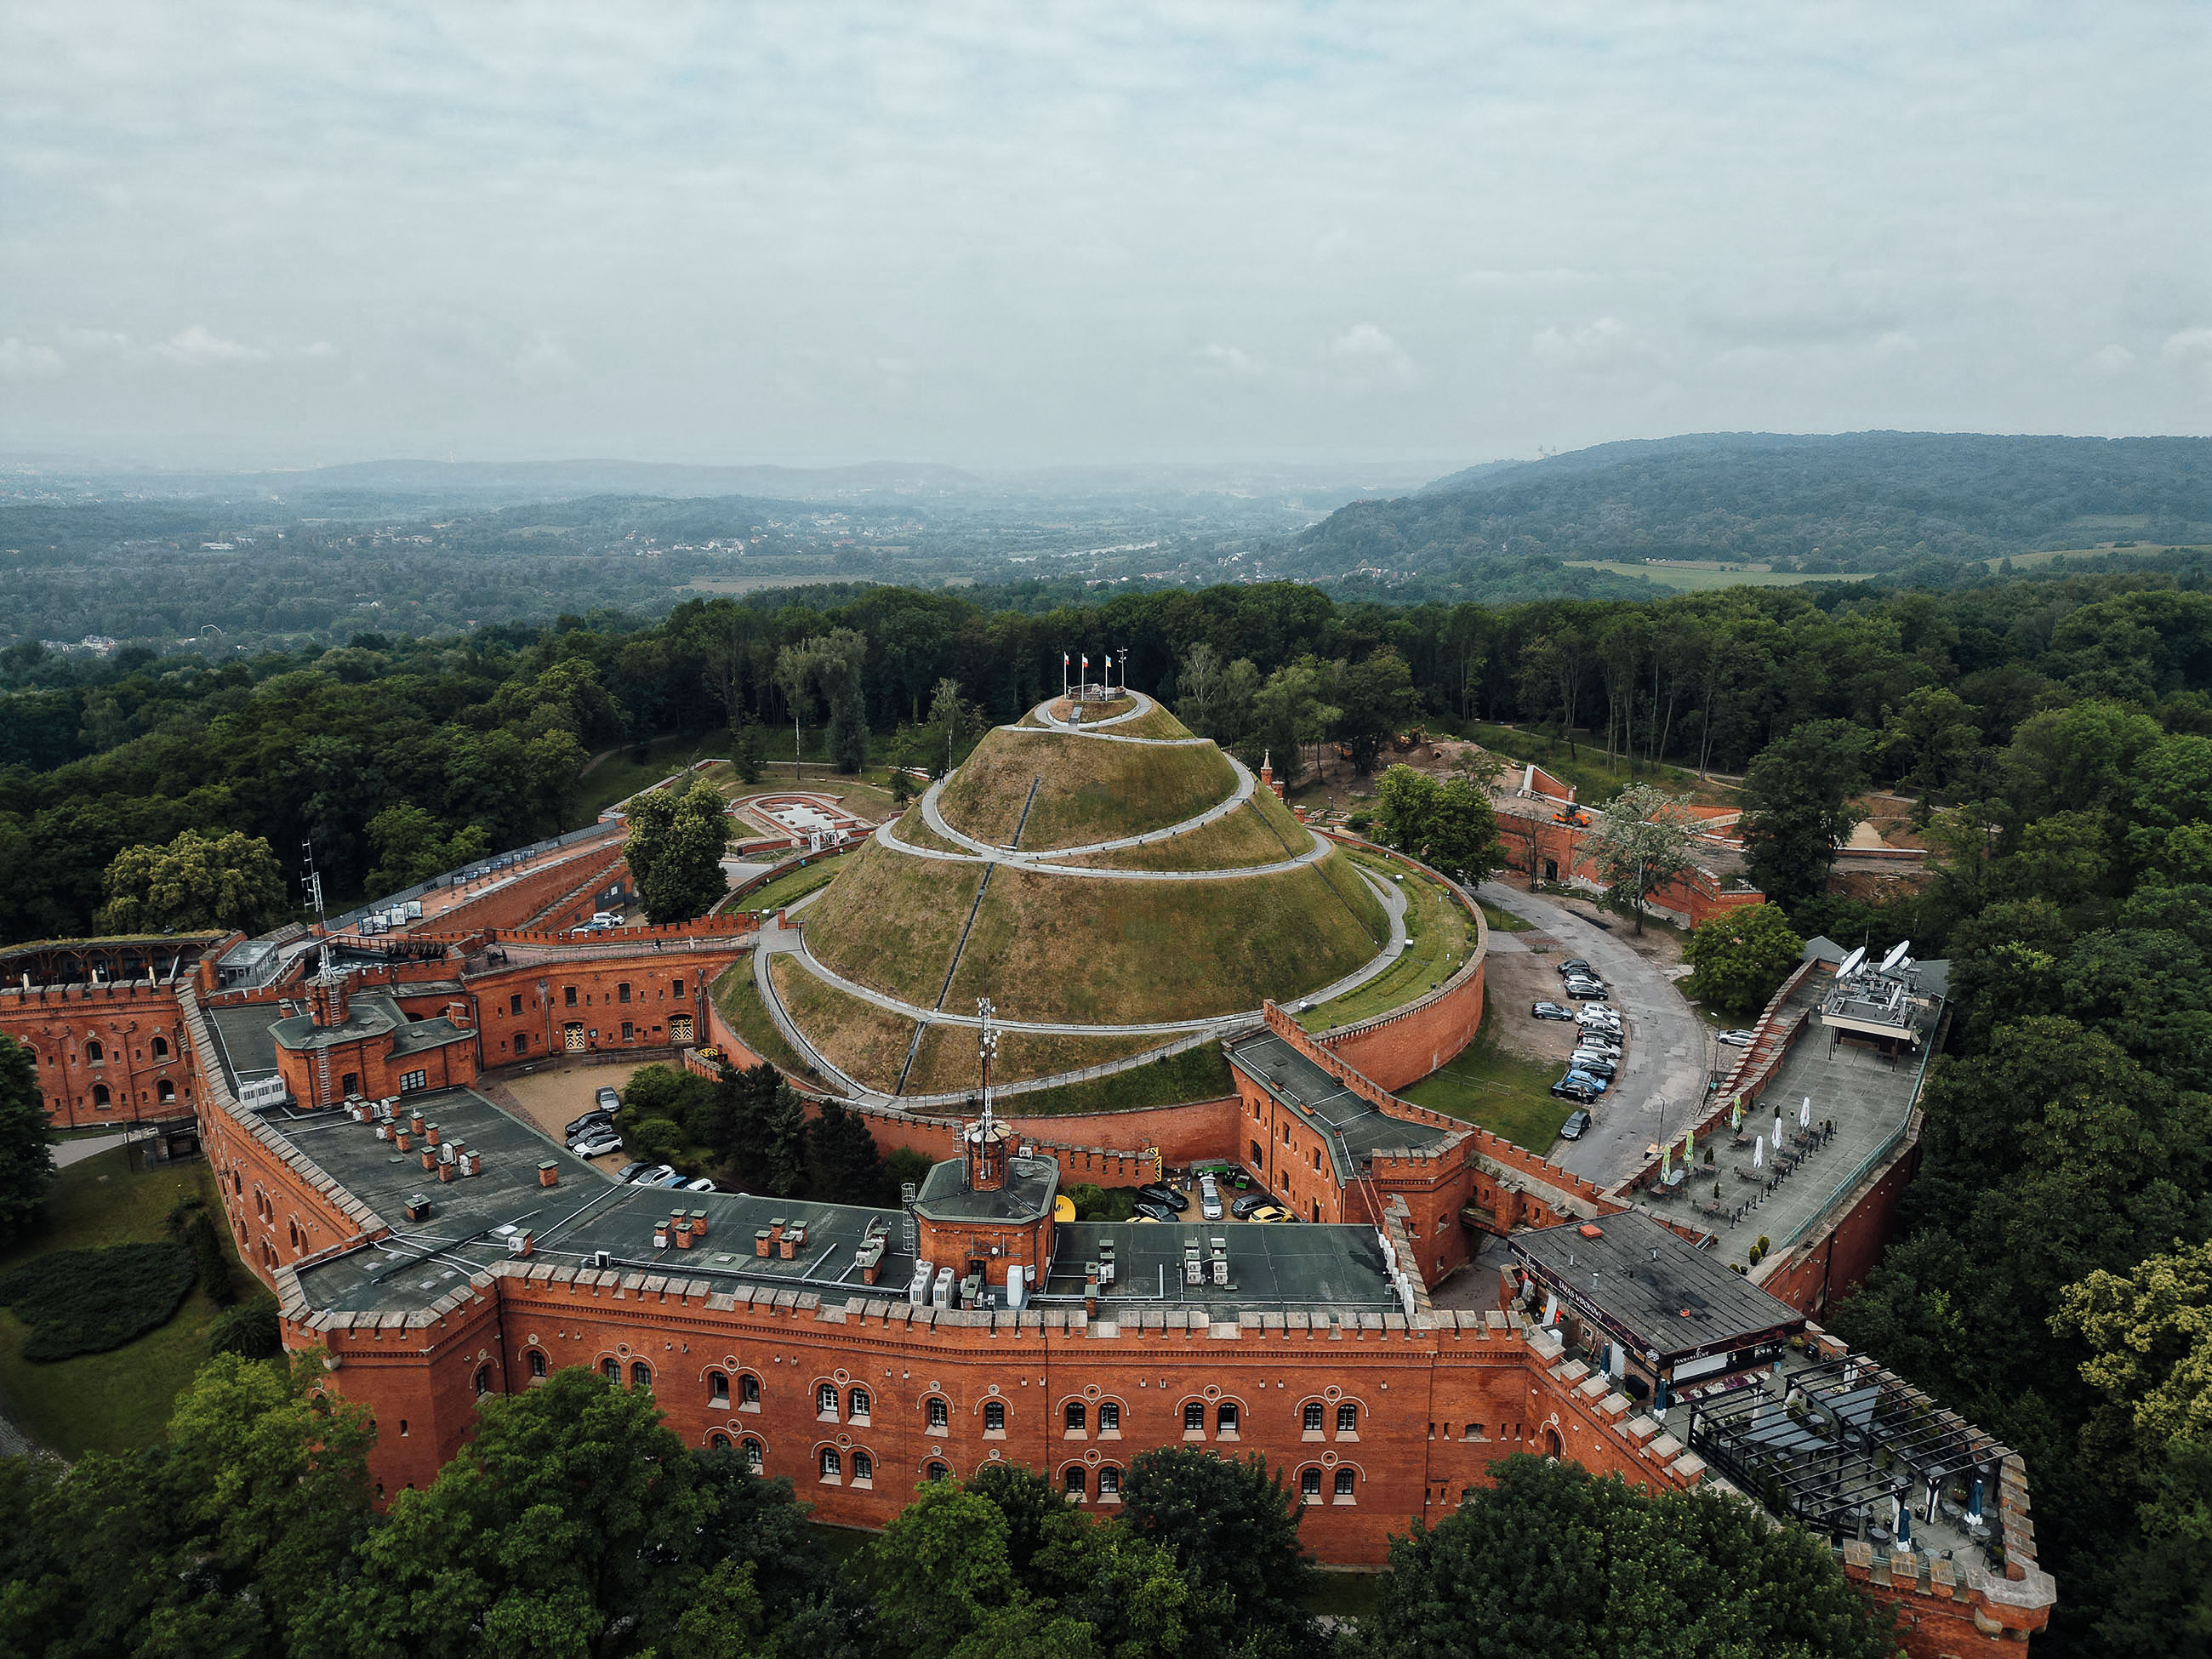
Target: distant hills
(1854, 503)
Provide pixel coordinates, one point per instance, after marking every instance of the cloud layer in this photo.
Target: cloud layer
(990, 233)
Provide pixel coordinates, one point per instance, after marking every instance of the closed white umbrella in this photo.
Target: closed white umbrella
(1759, 1151)
(1805, 1113)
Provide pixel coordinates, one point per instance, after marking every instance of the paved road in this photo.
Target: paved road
(1669, 1049)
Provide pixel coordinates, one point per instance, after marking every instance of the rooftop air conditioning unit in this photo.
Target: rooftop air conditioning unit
(602, 1260)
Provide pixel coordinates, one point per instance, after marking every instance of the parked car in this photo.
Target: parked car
(1578, 1085)
(1209, 1198)
(598, 1148)
(1736, 1039)
(629, 1172)
(607, 1098)
(1585, 990)
(1597, 1017)
(1598, 1038)
(1552, 1010)
(1272, 1213)
(673, 1182)
(1246, 1203)
(653, 1175)
(1574, 966)
(1596, 1065)
(702, 1185)
(588, 1124)
(1577, 1125)
(1151, 1210)
(1166, 1197)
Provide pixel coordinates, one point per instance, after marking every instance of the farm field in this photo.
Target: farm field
(1702, 579)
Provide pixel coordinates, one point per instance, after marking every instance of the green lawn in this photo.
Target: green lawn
(111, 1402)
(789, 888)
(1437, 940)
(1701, 579)
(620, 775)
(1504, 921)
(1505, 1094)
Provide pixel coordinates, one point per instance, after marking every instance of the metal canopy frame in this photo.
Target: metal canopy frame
(1860, 1437)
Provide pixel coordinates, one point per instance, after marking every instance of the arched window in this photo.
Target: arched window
(160, 1048)
(612, 1369)
(99, 1095)
(165, 1089)
(864, 1468)
(484, 1381)
(832, 1466)
(753, 1457)
(856, 1405)
(1347, 1418)
(537, 1361)
(1077, 1418)
(1109, 1416)
(718, 1388)
(1313, 1416)
(1109, 1481)
(1224, 1418)
(1072, 1482)
(934, 1471)
(940, 1414)
(719, 1441)
(748, 1390)
(94, 1054)
(1344, 1483)
(825, 1403)
(641, 1375)
(995, 1417)
(1309, 1485)
(1193, 1417)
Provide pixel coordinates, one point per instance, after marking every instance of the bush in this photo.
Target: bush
(249, 1330)
(209, 1259)
(1741, 956)
(905, 1165)
(1101, 1203)
(92, 1301)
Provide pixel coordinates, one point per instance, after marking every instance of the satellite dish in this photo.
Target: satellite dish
(1896, 955)
(1852, 962)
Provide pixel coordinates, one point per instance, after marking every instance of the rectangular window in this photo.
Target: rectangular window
(569, 995)
(825, 1403)
(1194, 1418)
(1109, 1418)
(350, 1083)
(626, 1031)
(676, 987)
(413, 1080)
(622, 991)
(514, 1003)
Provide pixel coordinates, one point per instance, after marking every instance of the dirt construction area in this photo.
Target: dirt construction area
(552, 1097)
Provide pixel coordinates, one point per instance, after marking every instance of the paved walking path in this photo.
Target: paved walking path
(1090, 728)
(1669, 1051)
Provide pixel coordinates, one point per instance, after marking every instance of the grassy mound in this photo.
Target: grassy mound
(738, 1000)
(1260, 832)
(890, 921)
(1438, 936)
(1157, 723)
(1087, 791)
(1125, 952)
(864, 1042)
(1200, 1073)
(913, 830)
(945, 1062)
(93, 1300)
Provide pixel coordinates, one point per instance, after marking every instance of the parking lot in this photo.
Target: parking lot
(552, 1098)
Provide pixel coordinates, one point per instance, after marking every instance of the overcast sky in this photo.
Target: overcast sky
(998, 234)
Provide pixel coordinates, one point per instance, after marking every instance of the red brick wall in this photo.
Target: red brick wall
(1831, 1267)
(126, 1021)
(1405, 1047)
(654, 979)
(375, 1071)
(519, 902)
(1530, 843)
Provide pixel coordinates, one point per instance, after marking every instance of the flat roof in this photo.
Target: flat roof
(1351, 1122)
(1278, 1266)
(369, 1014)
(1281, 1264)
(1651, 1287)
(244, 1040)
(1027, 1193)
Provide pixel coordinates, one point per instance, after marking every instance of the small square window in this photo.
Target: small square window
(1347, 1418)
(825, 1403)
(1313, 1416)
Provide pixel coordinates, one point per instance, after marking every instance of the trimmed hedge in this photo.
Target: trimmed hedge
(91, 1301)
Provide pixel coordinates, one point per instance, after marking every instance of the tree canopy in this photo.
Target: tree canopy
(676, 839)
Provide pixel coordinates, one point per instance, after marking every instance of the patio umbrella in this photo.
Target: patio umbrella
(1759, 1151)
(1666, 1161)
(1904, 1523)
(1805, 1113)
(1974, 1504)
(1777, 1130)
(1735, 1113)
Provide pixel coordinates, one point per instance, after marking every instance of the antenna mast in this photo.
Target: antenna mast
(987, 1045)
(312, 885)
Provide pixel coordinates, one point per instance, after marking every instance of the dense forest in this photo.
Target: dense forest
(1861, 502)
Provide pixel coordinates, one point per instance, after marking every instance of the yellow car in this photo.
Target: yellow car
(1142, 1220)
(1271, 1212)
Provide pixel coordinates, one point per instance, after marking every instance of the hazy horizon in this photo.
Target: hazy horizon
(1004, 238)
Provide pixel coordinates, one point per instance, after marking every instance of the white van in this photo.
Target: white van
(1209, 1198)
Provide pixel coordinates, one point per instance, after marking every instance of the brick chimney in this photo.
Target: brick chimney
(328, 1000)
(549, 1173)
(458, 1014)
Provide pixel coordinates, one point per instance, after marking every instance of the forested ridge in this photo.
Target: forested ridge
(1858, 502)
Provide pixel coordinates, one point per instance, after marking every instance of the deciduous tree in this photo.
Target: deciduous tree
(1446, 822)
(1639, 842)
(676, 839)
(1740, 958)
(196, 881)
(26, 1160)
